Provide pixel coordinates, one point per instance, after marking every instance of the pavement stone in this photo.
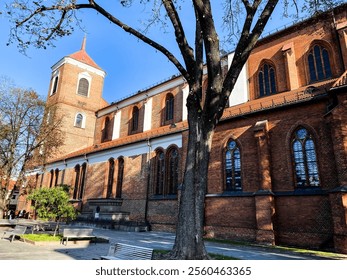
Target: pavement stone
(18, 250)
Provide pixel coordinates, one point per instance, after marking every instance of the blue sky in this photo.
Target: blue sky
(130, 65)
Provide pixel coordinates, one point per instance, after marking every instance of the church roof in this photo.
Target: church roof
(342, 81)
(130, 139)
(82, 56)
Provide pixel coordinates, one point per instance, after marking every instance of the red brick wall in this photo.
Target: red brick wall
(304, 221)
(230, 217)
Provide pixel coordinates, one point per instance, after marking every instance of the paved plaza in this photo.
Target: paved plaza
(18, 250)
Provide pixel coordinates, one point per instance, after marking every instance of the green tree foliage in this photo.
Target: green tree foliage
(52, 204)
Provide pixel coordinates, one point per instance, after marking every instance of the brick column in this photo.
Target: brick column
(261, 136)
(338, 196)
(265, 210)
(338, 202)
(338, 121)
(264, 199)
(291, 68)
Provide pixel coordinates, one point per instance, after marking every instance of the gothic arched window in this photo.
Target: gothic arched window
(169, 107)
(82, 181)
(319, 63)
(135, 119)
(120, 176)
(172, 171)
(80, 177)
(79, 120)
(267, 80)
(51, 178)
(233, 167)
(305, 159)
(77, 180)
(110, 178)
(159, 172)
(56, 173)
(55, 85)
(107, 132)
(83, 87)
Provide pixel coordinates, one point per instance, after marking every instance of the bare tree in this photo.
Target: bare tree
(27, 136)
(39, 23)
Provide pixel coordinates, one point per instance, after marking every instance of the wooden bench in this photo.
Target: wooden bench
(16, 231)
(77, 233)
(120, 251)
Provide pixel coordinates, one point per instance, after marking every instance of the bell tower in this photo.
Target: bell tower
(75, 92)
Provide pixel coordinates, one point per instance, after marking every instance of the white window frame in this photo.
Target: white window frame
(54, 76)
(83, 125)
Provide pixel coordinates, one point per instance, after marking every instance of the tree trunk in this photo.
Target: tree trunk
(5, 196)
(189, 242)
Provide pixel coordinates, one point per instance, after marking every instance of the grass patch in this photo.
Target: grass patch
(323, 254)
(41, 237)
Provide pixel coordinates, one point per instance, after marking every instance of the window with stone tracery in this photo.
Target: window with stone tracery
(319, 63)
(305, 159)
(172, 171)
(267, 80)
(233, 167)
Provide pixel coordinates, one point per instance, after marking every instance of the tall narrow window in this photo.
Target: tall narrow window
(319, 64)
(135, 119)
(56, 177)
(83, 87)
(36, 179)
(108, 130)
(80, 176)
(172, 171)
(110, 177)
(159, 173)
(305, 159)
(120, 177)
(77, 180)
(169, 107)
(55, 85)
(51, 178)
(267, 80)
(82, 181)
(233, 167)
(79, 120)
(62, 177)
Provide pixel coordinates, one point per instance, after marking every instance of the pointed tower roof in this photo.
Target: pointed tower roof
(82, 55)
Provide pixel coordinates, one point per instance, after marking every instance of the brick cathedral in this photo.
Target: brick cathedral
(278, 166)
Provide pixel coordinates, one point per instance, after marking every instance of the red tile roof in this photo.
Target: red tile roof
(280, 99)
(156, 132)
(82, 56)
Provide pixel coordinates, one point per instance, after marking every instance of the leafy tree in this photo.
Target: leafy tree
(25, 139)
(52, 204)
(40, 22)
